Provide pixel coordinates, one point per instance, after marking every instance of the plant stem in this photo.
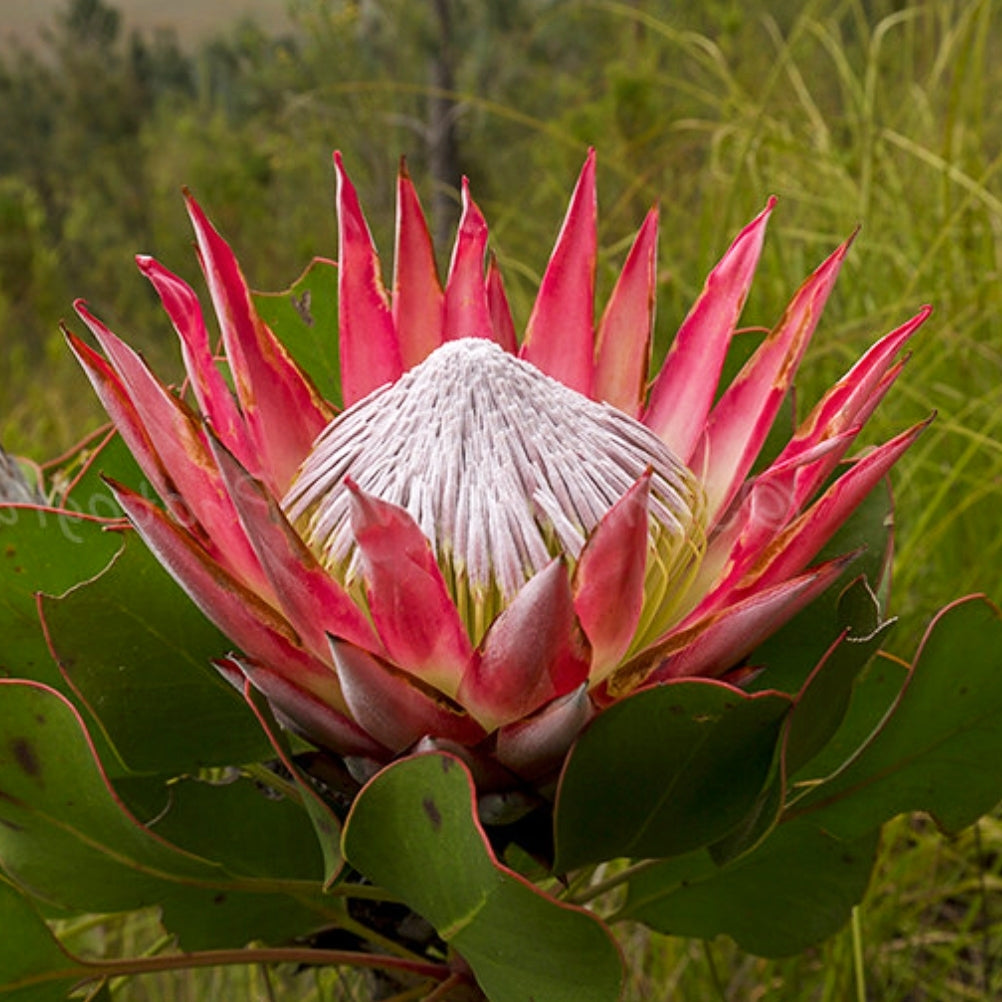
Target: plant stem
(718, 984)
(443, 989)
(609, 884)
(364, 892)
(857, 955)
(102, 969)
(267, 777)
(580, 881)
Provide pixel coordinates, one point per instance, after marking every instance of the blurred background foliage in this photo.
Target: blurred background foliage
(879, 113)
(869, 112)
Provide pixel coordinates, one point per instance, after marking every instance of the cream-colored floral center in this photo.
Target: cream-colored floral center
(503, 468)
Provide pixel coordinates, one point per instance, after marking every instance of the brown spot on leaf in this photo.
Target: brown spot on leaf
(25, 755)
(301, 304)
(447, 763)
(434, 814)
(11, 825)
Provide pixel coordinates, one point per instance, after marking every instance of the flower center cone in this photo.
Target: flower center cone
(502, 468)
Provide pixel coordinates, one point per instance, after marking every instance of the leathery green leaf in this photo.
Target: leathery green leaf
(413, 831)
(791, 653)
(326, 824)
(304, 318)
(665, 771)
(63, 834)
(248, 831)
(79, 483)
(929, 752)
(822, 703)
(46, 550)
(138, 653)
(66, 839)
(873, 693)
(818, 712)
(796, 889)
(33, 966)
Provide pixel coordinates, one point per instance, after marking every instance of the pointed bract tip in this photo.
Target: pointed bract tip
(197, 215)
(83, 311)
(472, 219)
(342, 185)
(115, 486)
(76, 344)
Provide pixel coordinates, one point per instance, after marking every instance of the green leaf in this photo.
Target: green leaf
(326, 824)
(62, 833)
(667, 770)
(138, 652)
(204, 918)
(413, 831)
(756, 824)
(83, 473)
(305, 320)
(875, 689)
(67, 840)
(795, 890)
(790, 654)
(822, 703)
(244, 828)
(33, 966)
(931, 750)
(818, 711)
(42, 550)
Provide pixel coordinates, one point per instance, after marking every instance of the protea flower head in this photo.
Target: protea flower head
(494, 537)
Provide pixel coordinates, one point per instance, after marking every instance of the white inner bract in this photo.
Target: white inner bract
(502, 468)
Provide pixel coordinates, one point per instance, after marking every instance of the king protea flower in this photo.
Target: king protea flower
(494, 537)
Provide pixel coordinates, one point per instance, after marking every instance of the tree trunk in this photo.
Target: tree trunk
(443, 143)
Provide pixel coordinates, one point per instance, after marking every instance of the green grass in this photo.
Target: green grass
(930, 930)
(898, 133)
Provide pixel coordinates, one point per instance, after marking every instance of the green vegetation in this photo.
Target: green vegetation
(870, 112)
